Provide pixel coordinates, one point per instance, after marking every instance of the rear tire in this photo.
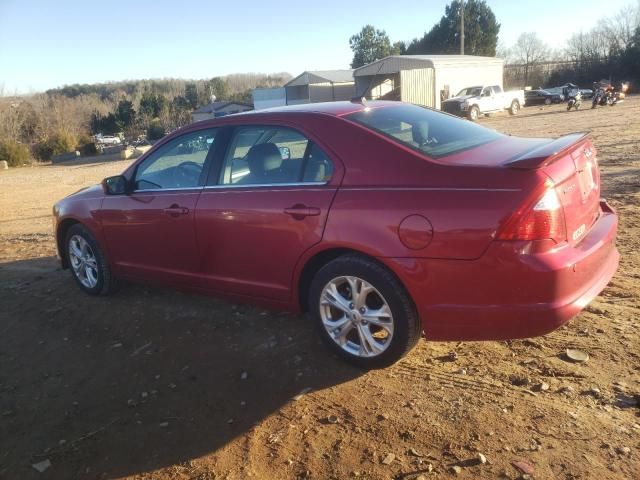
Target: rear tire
(87, 262)
(547, 101)
(372, 328)
(514, 108)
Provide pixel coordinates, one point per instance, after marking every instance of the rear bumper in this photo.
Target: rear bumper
(510, 292)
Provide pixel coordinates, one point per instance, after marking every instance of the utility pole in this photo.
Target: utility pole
(461, 27)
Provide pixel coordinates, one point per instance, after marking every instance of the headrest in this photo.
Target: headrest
(263, 158)
(420, 133)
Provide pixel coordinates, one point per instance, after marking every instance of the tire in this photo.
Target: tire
(514, 108)
(547, 101)
(91, 272)
(569, 107)
(345, 329)
(474, 113)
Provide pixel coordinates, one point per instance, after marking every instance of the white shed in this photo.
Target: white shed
(269, 97)
(425, 79)
(320, 86)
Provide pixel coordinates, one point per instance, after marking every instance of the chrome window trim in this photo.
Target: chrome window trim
(266, 185)
(167, 189)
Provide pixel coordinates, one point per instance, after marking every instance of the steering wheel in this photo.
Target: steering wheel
(189, 172)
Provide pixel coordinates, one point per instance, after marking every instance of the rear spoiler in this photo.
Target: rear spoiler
(543, 155)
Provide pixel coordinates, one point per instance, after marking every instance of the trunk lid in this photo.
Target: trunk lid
(571, 163)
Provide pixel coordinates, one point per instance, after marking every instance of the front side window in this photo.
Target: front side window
(176, 164)
(429, 132)
(268, 155)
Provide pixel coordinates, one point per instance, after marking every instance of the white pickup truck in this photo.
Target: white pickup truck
(471, 102)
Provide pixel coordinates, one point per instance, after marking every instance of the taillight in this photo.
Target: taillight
(541, 220)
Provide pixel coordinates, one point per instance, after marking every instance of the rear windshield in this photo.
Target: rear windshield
(433, 133)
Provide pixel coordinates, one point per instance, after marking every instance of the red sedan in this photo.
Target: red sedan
(383, 220)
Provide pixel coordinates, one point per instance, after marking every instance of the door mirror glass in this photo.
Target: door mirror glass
(116, 185)
(285, 153)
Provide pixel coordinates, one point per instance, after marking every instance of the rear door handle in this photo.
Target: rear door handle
(176, 210)
(301, 211)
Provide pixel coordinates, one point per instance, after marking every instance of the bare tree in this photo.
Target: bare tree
(529, 50)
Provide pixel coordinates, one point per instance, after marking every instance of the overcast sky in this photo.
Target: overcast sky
(46, 43)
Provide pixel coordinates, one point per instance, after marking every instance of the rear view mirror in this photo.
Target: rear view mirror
(116, 185)
(285, 153)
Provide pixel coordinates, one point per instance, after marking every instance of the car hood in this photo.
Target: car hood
(94, 191)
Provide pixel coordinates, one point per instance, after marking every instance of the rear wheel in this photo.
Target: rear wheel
(547, 101)
(474, 113)
(363, 312)
(515, 107)
(88, 263)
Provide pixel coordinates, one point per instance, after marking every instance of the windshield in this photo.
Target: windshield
(473, 91)
(433, 133)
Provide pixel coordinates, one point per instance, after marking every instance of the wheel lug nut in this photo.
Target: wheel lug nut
(362, 310)
(351, 305)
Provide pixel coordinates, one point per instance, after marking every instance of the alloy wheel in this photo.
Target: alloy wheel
(83, 261)
(356, 316)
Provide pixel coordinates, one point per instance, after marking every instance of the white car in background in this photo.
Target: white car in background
(107, 140)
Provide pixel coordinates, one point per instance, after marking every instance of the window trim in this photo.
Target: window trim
(206, 166)
(265, 185)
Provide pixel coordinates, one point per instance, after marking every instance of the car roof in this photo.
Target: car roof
(337, 109)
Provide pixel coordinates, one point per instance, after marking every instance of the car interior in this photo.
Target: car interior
(276, 156)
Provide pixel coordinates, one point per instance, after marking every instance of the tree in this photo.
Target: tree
(191, 94)
(125, 113)
(370, 45)
(529, 50)
(480, 31)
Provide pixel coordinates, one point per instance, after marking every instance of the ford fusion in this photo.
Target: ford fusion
(385, 221)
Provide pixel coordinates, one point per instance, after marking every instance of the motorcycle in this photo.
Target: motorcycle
(575, 100)
(607, 94)
(599, 95)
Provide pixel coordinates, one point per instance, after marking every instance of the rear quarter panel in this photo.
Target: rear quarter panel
(385, 182)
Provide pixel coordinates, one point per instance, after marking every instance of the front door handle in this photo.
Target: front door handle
(176, 210)
(301, 211)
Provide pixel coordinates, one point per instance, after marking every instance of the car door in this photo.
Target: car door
(499, 99)
(485, 102)
(150, 231)
(266, 205)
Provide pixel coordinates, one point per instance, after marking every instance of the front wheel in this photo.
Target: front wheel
(514, 108)
(363, 313)
(474, 113)
(88, 263)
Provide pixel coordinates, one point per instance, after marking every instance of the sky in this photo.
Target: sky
(47, 43)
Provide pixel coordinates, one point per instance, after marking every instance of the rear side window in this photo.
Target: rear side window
(271, 155)
(429, 132)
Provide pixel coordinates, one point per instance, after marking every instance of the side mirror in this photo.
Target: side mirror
(285, 153)
(116, 185)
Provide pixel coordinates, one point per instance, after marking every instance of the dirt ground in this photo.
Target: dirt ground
(156, 384)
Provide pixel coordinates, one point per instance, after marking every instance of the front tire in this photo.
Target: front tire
(87, 262)
(474, 113)
(363, 313)
(515, 107)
